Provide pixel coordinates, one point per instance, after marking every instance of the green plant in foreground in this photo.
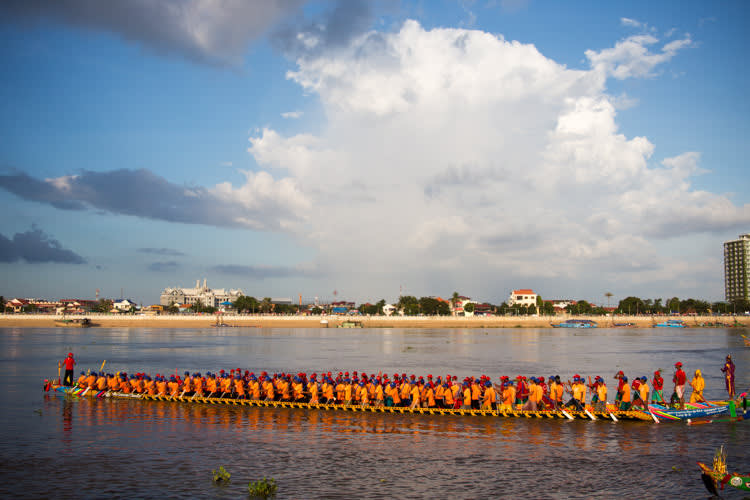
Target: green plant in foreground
(221, 476)
(263, 488)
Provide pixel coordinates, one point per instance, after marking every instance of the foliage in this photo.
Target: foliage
(409, 305)
(221, 476)
(316, 310)
(372, 309)
(246, 304)
(2, 303)
(433, 307)
(469, 308)
(200, 308)
(263, 488)
(265, 305)
(172, 308)
(103, 306)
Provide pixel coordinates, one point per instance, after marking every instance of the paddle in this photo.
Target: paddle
(59, 366)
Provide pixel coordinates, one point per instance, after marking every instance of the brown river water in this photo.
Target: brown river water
(57, 447)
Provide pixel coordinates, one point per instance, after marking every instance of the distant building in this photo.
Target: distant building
(737, 268)
(524, 296)
(199, 295)
(123, 305)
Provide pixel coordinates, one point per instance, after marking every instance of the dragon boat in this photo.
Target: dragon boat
(716, 477)
(607, 412)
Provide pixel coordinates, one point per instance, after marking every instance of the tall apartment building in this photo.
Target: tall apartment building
(737, 268)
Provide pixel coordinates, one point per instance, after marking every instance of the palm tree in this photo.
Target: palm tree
(454, 301)
(609, 296)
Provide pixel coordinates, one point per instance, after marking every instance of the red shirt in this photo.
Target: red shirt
(658, 383)
(69, 362)
(679, 377)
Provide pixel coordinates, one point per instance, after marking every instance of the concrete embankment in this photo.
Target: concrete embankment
(261, 321)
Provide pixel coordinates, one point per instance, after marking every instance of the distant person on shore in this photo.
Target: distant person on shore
(679, 380)
(728, 370)
(69, 363)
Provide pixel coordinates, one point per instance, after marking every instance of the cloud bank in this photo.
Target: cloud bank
(261, 203)
(216, 32)
(34, 246)
(451, 155)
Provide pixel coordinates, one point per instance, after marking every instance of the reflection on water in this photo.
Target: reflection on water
(87, 447)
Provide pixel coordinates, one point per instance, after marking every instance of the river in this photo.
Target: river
(57, 447)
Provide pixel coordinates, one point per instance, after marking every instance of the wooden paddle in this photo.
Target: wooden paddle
(59, 366)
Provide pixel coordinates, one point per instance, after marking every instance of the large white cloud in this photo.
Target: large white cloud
(457, 158)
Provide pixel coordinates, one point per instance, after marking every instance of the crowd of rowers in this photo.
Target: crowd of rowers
(532, 393)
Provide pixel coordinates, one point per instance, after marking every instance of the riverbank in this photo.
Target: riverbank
(263, 321)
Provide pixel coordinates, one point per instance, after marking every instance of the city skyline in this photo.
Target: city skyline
(373, 148)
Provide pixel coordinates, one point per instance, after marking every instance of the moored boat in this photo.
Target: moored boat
(671, 323)
(73, 323)
(576, 323)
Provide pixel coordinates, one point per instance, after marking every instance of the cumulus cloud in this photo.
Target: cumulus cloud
(208, 31)
(261, 203)
(454, 155)
(631, 57)
(292, 114)
(34, 246)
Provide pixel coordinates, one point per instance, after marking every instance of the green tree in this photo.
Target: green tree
(316, 311)
(531, 310)
(172, 308)
(266, 306)
(469, 308)
(454, 301)
(631, 305)
(673, 305)
(243, 303)
(609, 296)
(103, 306)
(2, 303)
(409, 305)
(503, 309)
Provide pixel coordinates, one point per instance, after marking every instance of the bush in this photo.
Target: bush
(262, 488)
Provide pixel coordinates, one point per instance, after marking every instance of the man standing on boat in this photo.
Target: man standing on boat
(658, 384)
(679, 380)
(728, 370)
(69, 363)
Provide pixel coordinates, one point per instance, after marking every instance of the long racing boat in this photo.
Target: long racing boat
(608, 412)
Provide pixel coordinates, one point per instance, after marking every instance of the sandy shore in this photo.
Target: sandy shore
(196, 321)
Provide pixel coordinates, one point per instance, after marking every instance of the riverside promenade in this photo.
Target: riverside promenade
(328, 321)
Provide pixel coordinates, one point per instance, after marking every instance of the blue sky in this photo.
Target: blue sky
(296, 147)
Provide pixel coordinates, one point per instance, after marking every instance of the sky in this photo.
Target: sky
(359, 150)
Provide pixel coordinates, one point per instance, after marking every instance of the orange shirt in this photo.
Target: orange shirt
(254, 389)
(91, 380)
(626, 393)
(363, 395)
(150, 387)
(448, 394)
(475, 391)
(198, 385)
(101, 383)
(405, 390)
(268, 389)
(489, 396)
(430, 397)
(340, 391)
(644, 390)
(509, 395)
(348, 392)
(161, 387)
(467, 397)
(439, 392)
(415, 394)
(82, 381)
(239, 387)
(379, 392)
(601, 392)
(211, 384)
(174, 388)
(297, 390)
(125, 386)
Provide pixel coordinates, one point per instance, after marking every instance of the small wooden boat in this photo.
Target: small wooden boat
(671, 323)
(351, 324)
(73, 323)
(576, 323)
(716, 477)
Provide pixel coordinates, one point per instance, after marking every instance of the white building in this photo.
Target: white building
(200, 295)
(524, 296)
(123, 305)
